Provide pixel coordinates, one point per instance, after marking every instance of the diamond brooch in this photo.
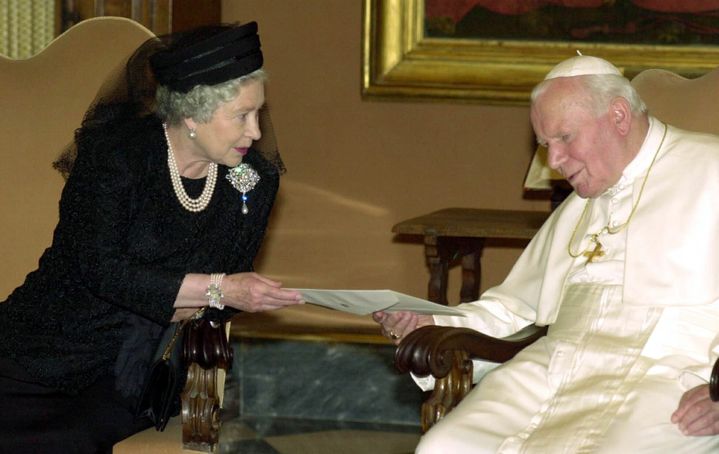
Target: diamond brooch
(243, 178)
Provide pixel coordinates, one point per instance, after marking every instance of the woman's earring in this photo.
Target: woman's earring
(192, 134)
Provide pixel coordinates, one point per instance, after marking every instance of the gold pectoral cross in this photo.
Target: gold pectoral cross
(596, 252)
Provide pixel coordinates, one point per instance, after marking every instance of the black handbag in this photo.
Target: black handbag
(160, 397)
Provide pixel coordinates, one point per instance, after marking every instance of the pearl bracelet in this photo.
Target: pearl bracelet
(214, 291)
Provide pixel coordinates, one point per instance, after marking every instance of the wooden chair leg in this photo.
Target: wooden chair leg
(201, 409)
(448, 390)
(210, 356)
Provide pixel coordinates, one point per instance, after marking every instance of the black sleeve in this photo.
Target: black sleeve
(95, 215)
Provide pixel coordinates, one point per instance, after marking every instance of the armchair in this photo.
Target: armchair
(44, 100)
(446, 353)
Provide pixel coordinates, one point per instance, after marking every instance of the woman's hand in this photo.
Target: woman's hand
(396, 325)
(251, 292)
(697, 414)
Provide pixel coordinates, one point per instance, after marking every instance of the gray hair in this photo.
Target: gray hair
(602, 89)
(202, 100)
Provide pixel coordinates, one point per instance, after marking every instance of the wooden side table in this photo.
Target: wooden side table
(459, 233)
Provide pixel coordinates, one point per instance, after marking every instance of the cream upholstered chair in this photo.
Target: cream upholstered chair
(44, 99)
(686, 103)
(446, 352)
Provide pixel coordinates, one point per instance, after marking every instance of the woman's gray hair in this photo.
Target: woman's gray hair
(202, 101)
(602, 89)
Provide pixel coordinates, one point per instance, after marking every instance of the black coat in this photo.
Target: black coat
(120, 251)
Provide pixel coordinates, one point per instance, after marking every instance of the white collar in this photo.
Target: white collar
(643, 159)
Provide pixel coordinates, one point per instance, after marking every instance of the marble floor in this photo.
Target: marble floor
(288, 436)
(343, 398)
(283, 436)
(350, 400)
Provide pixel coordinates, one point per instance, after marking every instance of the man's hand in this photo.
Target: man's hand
(396, 325)
(697, 414)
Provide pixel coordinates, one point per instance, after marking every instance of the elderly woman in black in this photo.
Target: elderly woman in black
(162, 214)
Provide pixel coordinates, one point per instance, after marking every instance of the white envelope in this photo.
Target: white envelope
(363, 302)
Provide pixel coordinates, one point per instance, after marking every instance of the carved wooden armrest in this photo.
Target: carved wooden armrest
(446, 353)
(714, 382)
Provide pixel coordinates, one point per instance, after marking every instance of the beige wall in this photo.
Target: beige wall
(357, 167)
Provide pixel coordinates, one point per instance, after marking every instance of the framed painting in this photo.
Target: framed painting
(495, 51)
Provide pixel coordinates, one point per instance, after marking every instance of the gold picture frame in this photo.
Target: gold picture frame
(400, 62)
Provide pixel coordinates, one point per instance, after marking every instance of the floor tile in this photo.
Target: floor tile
(247, 447)
(302, 436)
(345, 442)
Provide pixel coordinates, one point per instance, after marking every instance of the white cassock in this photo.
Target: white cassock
(629, 333)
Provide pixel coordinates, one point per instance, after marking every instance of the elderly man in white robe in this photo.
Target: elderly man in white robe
(625, 273)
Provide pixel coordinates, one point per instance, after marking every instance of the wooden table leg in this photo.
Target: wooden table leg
(438, 264)
(440, 253)
(471, 251)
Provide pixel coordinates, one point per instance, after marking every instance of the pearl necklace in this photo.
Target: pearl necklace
(188, 203)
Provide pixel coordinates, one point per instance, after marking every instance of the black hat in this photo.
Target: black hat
(208, 56)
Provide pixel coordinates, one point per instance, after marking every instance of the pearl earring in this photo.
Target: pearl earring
(192, 134)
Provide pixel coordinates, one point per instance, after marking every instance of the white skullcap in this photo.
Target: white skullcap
(582, 65)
